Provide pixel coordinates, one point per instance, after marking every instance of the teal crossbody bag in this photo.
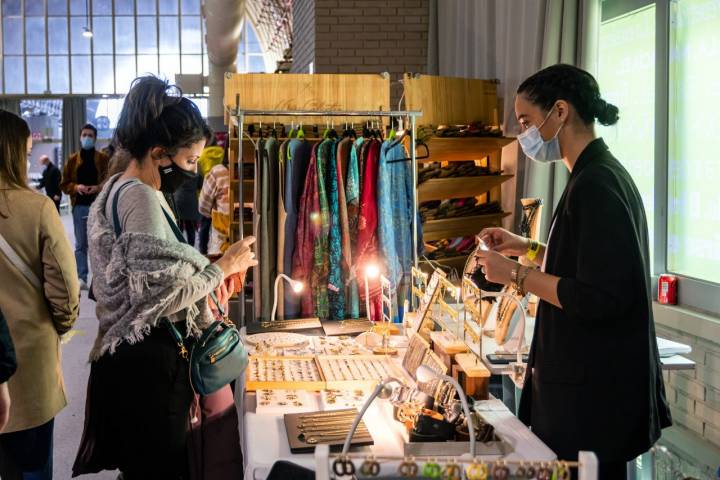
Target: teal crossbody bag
(218, 357)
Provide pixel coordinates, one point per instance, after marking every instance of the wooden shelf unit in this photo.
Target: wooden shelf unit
(459, 187)
(457, 149)
(460, 226)
(453, 101)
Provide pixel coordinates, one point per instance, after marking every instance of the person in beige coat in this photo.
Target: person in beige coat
(36, 314)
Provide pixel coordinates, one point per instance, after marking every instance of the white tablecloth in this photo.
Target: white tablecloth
(264, 439)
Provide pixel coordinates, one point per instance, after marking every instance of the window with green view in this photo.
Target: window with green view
(693, 156)
(626, 74)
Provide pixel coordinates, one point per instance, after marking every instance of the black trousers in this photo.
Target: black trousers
(205, 226)
(137, 411)
(188, 227)
(27, 454)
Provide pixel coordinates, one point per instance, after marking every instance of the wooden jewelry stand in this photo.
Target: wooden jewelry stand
(530, 228)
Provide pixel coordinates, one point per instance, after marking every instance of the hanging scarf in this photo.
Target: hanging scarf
(336, 284)
(308, 228)
(321, 260)
(352, 300)
(395, 216)
(367, 223)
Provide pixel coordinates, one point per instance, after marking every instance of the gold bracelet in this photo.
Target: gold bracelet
(522, 275)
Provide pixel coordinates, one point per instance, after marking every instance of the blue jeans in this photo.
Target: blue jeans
(80, 218)
(29, 453)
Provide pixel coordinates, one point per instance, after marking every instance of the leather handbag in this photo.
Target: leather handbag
(218, 357)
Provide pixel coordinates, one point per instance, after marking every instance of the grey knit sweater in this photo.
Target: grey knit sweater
(138, 278)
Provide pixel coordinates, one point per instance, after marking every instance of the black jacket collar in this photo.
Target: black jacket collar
(594, 150)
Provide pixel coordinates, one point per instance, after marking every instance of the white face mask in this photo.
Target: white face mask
(538, 149)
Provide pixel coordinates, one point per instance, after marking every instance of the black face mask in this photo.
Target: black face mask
(172, 176)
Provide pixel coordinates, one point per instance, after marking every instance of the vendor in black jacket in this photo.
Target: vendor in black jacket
(593, 380)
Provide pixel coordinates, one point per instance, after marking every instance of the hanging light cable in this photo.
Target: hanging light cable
(87, 31)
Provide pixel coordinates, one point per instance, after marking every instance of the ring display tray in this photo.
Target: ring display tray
(283, 373)
(357, 371)
(305, 430)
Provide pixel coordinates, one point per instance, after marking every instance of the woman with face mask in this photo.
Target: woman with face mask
(593, 377)
(142, 416)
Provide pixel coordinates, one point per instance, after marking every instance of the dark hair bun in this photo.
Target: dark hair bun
(574, 85)
(607, 113)
(156, 114)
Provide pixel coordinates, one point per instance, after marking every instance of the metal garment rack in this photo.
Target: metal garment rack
(241, 114)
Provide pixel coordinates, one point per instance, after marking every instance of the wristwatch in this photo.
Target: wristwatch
(533, 249)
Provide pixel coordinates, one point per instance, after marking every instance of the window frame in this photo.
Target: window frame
(69, 16)
(693, 293)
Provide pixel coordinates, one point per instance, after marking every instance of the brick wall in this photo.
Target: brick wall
(368, 36)
(303, 35)
(694, 396)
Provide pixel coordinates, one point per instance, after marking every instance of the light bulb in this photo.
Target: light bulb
(297, 286)
(372, 271)
(87, 33)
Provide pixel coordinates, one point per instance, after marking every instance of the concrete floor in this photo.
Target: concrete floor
(69, 423)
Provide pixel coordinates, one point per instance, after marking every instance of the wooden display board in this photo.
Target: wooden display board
(451, 100)
(317, 92)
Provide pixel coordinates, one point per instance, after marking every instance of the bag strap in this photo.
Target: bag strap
(209, 331)
(116, 199)
(116, 217)
(15, 259)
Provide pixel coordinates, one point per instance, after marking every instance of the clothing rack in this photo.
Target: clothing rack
(587, 463)
(241, 114)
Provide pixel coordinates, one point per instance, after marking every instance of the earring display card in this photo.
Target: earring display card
(275, 402)
(431, 294)
(436, 364)
(417, 347)
(305, 430)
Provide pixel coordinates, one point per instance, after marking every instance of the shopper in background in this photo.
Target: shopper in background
(212, 156)
(50, 180)
(593, 378)
(83, 174)
(8, 366)
(142, 415)
(215, 205)
(39, 298)
(186, 206)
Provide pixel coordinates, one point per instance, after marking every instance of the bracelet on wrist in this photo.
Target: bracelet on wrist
(522, 275)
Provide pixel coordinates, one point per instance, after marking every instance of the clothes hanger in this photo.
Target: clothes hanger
(300, 132)
(366, 130)
(409, 159)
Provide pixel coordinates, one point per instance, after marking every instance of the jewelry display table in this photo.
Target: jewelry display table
(264, 440)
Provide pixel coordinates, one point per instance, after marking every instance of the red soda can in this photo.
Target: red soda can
(667, 289)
